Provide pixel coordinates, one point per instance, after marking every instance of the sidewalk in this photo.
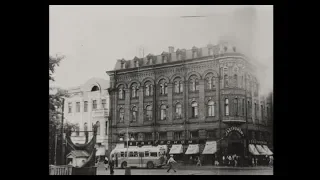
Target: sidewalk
(209, 167)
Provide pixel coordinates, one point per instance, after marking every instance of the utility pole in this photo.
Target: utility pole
(61, 135)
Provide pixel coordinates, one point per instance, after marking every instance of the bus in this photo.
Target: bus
(140, 157)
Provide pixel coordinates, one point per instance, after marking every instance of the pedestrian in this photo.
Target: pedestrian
(170, 163)
(271, 161)
(256, 161)
(253, 161)
(198, 162)
(235, 161)
(111, 165)
(223, 160)
(106, 163)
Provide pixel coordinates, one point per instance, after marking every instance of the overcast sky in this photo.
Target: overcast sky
(93, 37)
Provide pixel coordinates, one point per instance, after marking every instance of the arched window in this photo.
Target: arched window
(194, 107)
(121, 114)
(236, 107)
(134, 90)
(194, 83)
(148, 89)
(210, 108)
(121, 92)
(163, 87)
(226, 80)
(163, 114)
(95, 88)
(178, 85)
(235, 77)
(178, 111)
(209, 82)
(149, 113)
(98, 127)
(226, 107)
(134, 113)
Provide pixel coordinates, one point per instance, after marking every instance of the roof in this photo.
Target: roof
(221, 48)
(87, 86)
(78, 153)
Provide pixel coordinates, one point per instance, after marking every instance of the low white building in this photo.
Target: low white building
(87, 105)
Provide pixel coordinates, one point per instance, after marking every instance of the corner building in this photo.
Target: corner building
(186, 97)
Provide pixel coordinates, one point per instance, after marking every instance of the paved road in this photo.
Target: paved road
(196, 171)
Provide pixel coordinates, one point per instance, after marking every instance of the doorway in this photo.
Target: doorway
(235, 144)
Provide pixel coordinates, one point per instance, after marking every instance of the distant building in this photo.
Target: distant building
(87, 105)
(176, 98)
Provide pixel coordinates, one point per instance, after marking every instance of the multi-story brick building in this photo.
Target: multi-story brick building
(87, 105)
(177, 98)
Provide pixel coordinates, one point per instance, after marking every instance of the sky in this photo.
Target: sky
(92, 38)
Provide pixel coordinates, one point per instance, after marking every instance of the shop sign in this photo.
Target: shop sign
(162, 142)
(230, 129)
(253, 141)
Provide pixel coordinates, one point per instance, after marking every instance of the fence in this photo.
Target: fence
(69, 170)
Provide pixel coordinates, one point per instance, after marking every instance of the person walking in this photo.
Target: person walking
(271, 161)
(198, 162)
(111, 165)
(170, 163)
(106, 163)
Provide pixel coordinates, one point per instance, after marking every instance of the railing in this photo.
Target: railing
(60, 170)
(69, 170)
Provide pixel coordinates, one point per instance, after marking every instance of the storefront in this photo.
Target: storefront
(209, 151)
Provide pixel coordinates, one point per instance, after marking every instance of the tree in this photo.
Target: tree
(55, 111)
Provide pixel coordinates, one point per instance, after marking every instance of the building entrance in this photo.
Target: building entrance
(235, 144)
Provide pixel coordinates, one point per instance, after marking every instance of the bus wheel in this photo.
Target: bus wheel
(150, 165)
(124, 164)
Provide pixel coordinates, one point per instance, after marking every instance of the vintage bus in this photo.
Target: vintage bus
(140, 157)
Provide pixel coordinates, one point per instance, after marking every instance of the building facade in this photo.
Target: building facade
(86, 106)
(189, 97)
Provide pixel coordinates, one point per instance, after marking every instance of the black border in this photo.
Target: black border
(33, 88)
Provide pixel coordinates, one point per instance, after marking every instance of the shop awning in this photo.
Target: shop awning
(253, 150)
(193, 149)
(261, 150)
(176, 149)
(269, 152)
(210, 148)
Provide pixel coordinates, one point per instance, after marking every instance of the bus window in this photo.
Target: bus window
(135, 154)
(131, 154)
(153, 154)
(122, 154)
(147, 154)
(141, 154)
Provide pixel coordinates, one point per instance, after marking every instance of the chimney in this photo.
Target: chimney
(171, 49)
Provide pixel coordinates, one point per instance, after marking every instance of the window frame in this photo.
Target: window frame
(149, 113)
(77, 107)
(163, 112)
(194, 110)
(179, 113)
(121, 115)
(226, 107)
(212, 108)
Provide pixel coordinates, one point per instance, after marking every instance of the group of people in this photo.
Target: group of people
(231, 160)
(196, 161)
(262, 161)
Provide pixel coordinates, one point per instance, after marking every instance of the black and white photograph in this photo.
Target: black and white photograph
(161, 90)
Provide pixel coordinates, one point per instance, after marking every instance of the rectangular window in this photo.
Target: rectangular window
(122, 154)
(94, 104)
(194, 134)
(135, 154)
(141, 154)
(85, 108)
(70, 107)
(78, 106)
(153, 154)
(104, 103)
(148, 136)
(177, 135)
(242, 106)
(130, 154)
(210, 134)
(146, 154)
(163, 136)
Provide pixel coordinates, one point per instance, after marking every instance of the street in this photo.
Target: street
(193, 171)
